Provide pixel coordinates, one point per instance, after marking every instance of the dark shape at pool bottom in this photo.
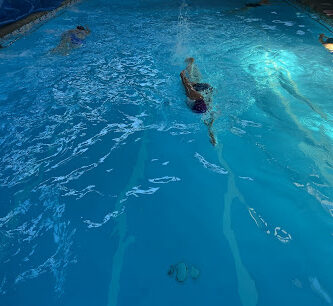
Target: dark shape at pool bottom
(182, 271)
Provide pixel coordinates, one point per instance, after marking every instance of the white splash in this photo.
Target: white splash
(136, 191)
(108, 217)
(247, 178)
(279, 233)
(164, 180)
(282, 235)
(210, 166)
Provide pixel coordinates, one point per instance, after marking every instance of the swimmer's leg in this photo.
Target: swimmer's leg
(209, 124)
(212, 138)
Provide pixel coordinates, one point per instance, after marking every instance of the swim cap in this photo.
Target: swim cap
(199, 106)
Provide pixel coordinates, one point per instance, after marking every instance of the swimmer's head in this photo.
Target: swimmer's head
(81, 28)
(199, 106)
(189, 60)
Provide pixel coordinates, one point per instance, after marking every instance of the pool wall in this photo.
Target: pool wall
(23, 25)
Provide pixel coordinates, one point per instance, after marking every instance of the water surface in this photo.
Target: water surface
(106, 178)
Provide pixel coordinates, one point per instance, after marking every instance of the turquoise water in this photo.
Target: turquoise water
(107, 178)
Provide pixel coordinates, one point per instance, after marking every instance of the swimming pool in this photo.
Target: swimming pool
(107, 178)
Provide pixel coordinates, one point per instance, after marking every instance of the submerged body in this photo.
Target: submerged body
(72, 39)
(199, 95)
(251, 5)
(257, 4)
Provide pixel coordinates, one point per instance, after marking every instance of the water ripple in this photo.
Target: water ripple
(279, 233)
(210, 166)
(164, 180)
(106, 218)
(136, 191)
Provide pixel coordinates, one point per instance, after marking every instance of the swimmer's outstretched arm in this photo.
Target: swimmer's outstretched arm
(189, 61)
(192, 70)
(190, 91)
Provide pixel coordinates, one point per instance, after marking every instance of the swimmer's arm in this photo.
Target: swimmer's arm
(190, 91)
(189, 67)
(87, 30)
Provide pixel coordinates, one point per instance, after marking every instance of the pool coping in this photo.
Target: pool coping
(21, 26)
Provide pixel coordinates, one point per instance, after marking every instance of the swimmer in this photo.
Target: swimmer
(327, 42)
(257, 4)
(199, 95)
(251, 5)
(71, 39)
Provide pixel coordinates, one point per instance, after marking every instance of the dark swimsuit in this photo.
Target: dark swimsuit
(75, 40)
(329, 40)
(200, 105)
(252, 4)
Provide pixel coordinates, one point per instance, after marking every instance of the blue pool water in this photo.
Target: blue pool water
(106, 178)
